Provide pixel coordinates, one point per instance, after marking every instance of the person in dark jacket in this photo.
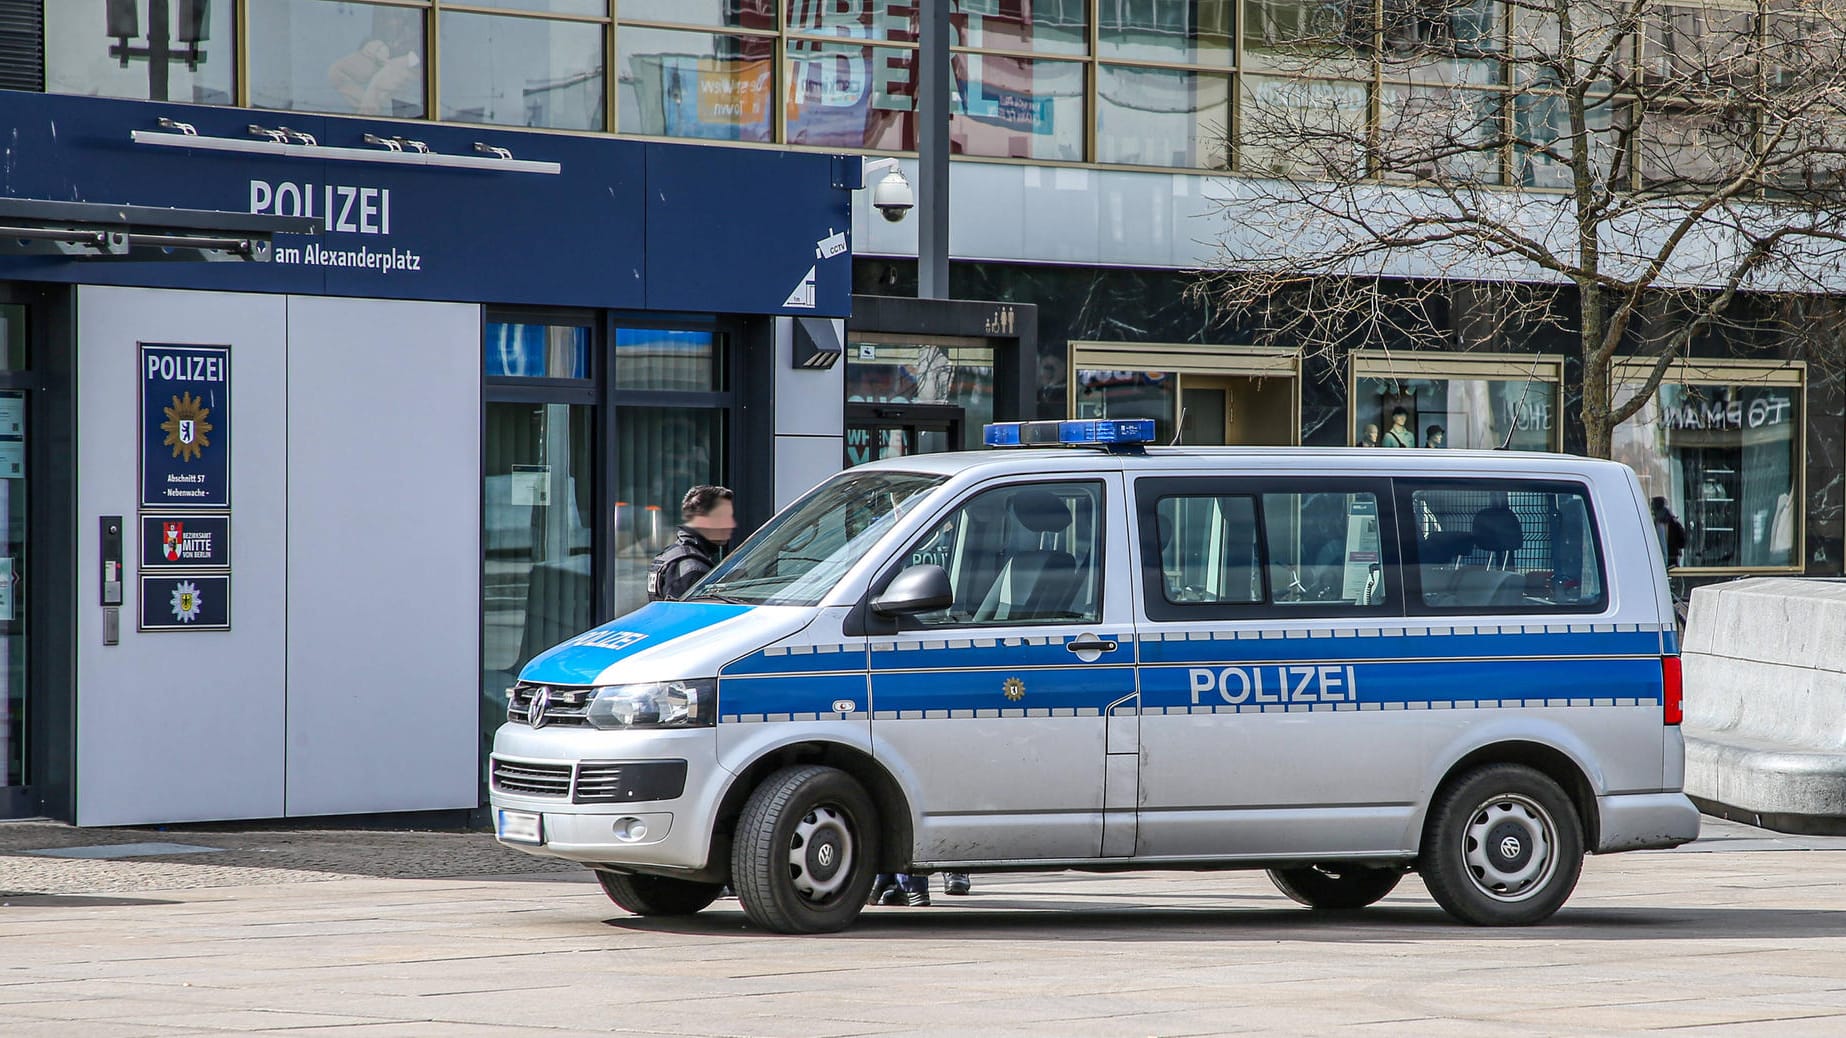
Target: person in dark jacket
(707, 520)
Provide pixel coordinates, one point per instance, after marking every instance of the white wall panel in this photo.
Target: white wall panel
(384, 596)
(181, 726)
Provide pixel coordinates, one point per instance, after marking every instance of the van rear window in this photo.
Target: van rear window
(1500, 546)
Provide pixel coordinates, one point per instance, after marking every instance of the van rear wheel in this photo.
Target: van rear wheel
(805, 851)
(657, 895)
(1503, 847)
(1334, 887)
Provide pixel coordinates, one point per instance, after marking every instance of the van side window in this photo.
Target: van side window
(1502, 546)
(1027, 554)
(1208, 549)
(1325, 548)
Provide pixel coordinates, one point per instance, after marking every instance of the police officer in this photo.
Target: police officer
(707, 520)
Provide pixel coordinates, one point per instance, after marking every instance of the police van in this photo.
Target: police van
(1336, 665)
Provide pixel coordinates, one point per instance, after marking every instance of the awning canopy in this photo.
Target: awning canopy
(87, 230)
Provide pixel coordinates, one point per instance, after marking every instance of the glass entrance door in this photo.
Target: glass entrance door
(13, 547)
(877, 433)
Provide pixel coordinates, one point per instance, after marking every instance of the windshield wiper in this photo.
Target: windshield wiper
(727, 599)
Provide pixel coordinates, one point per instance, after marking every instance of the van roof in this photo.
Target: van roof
(1372, 461)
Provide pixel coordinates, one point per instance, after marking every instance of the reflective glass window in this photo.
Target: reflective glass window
(1430, 133)
(929, 373)
(1324, 548)
(1444, 41)
(1724, 462)
(1162, 117)
(694, 84)
(660, 453)
(1208, 550)
(1301, 127)
(536, 351)
(596, 8)
(670, 360)
(191, 58)
(1197, 32)
(1020, 555)
(1503, 546)
(1018, 108)
(712, 14)
(1129, 394)
(1473, 414)
(1027, 26)
(1542, 125)
(363, 59)
(1308, 36)
(522, 71)
(886, 21)
(851, 96)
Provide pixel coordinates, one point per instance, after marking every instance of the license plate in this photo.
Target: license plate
(521, 826)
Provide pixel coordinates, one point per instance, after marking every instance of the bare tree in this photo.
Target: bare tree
(1626, 171)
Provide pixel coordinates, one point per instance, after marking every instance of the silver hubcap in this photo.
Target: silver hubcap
(820, 853)
(1510, 847)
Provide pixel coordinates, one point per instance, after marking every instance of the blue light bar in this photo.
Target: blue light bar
(1086, 432)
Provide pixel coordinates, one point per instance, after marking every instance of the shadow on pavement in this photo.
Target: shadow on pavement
(1386, 924)
(76, 901)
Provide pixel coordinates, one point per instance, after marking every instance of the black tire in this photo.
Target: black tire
(657, 895)
(1334, 887)
(1502, 847)
(806, 851)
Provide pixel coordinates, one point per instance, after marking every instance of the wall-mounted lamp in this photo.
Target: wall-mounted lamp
(194, 27)
(819, 341)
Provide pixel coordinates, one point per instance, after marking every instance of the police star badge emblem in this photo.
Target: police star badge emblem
(1014, 688)
(186, 427)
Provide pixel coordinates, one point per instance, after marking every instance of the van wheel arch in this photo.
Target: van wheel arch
(895, 835)
(1550, 761)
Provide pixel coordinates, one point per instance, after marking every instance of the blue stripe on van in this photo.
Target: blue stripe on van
(1467, 682)
(1065, 687)
(582, 660)
(996, 652)
(802, 694)
(798, 659)
(1274, 646)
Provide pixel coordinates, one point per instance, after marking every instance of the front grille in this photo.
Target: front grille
(598, 782)
(531, 778)
(565, 705)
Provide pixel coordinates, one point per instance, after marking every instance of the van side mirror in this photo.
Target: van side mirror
(919, 589)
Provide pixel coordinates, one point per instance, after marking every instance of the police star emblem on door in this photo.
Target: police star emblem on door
(1014, 688)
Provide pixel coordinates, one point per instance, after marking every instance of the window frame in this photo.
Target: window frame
(1149, 490)
(1407, 487)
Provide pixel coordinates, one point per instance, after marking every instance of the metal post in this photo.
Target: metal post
(159, 50)
(933, 150)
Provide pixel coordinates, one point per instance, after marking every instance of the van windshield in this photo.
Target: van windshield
(798, 557)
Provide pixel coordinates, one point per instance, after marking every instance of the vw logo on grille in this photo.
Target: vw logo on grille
(824, 855)
(1509, 847)
(535, 712)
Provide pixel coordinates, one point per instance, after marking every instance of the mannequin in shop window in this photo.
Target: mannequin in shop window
(1370, 437)
(1400, 434)
(1435, 436)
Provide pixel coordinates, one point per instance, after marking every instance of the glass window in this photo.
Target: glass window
(1431, 133)
(1444, 41)
(694, 84)
(191, 58)
(308, 55)
(536, 351)
(14, 548)
(522, 71)
(598, 8)
(1018, 108)
(1543, 120)
(925, 373)
(800, 554)
(1324, 548)
(1723, 460)
(715, 14)
(1504, 547)
(661, 359)
(660, 453)
(1306, 36)
(851, 96)
(852, 19)
(1208, 550)
(12, 337)
(1473, 413)
(536, 586)
(1180, 32)
(1020, 555)
(1129, 394)
(1029, 26)
(1162, 117)
(1301, 127)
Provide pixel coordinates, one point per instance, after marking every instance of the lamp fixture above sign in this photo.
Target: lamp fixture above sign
(289, 143)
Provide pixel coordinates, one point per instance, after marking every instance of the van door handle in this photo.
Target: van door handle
(1089, 643)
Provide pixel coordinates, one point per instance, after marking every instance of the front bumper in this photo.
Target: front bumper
(671, 835)
(1640, 821)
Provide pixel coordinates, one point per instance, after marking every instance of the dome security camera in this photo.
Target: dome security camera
(893, 197)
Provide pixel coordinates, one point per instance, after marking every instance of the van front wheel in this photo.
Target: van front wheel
(1502, 847)
(1335, 888)
(805, 851)
(657, 895)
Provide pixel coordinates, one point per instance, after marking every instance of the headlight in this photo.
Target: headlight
(660, 704)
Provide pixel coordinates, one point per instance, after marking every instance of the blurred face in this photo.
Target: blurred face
(717, 525)
(1371, 432)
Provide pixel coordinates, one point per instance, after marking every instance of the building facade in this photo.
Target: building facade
(465, 408)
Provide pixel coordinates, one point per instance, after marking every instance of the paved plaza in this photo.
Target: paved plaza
(370, 934)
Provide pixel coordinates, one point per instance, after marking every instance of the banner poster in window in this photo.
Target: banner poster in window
(186, 602)
(185, 426)
(185, 541)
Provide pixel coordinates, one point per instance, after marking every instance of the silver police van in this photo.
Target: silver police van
(1337, 665)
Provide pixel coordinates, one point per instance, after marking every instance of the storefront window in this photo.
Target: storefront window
(1162, 117)
(357, 58)
(715, 14)
(1029, 26)
(516, 71)
(1469, 413)
(1018, 108)
(660, 453)
(908, 373)
(1726, 460)
(536, 351)
(663, 359)
(1159, 30)
(694, 84)
(1129, 394)
(851, 96)
(191, 58)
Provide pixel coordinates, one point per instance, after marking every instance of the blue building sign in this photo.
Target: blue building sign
(181, 541)
(185, 426)
(186, 602)
(461, 213)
